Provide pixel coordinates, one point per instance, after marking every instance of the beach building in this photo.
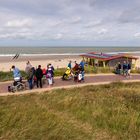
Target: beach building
(108, 60)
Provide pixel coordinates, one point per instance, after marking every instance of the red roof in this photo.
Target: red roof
(106, 57)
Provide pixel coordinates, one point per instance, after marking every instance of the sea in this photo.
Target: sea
(39, 51)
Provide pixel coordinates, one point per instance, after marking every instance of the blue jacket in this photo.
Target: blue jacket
(69, 65)
(82, 64)
(16, 73)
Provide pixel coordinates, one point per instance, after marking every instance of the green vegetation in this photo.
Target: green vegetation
(136, 71)
(91, 69)
(105, 112)
(59, 72)
(7, 76)
(4, 76)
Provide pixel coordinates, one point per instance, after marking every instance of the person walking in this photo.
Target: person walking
(129, 70)
(30, 73)
(82, 69)
(49, 75)
(124, 68)
(118, 68)
(39, 75)
(51, 66)
(30, 76)
(28, 66)
(69, 64)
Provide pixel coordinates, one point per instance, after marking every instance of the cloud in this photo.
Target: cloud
(15, 36)
(19, 23)
(137, 35)
(102, 31)
(58, 36)
(89, 20)
(75, 20)
(130, 15)
(92, 24)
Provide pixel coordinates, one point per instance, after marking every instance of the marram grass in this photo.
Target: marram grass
(106, 112)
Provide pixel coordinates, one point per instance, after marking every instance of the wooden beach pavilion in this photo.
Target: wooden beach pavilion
(108, 60)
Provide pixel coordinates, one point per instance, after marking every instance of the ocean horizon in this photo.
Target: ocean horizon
(38, 51)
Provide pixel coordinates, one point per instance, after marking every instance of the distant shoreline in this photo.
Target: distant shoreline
(28, 51)
(63, 54)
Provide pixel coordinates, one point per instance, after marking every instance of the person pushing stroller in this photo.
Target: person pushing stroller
(17, 84)
(16, 75)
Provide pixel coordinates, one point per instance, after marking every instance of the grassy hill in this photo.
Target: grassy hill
(106, 112)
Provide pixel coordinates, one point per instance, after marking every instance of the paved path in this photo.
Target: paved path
(89, 80)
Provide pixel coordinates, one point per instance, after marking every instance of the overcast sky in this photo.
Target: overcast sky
(70, 22)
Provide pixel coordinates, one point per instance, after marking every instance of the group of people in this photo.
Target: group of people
(34, 76)
(124, 68)
(77, 71)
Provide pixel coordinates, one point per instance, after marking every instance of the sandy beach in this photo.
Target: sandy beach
(57, 61)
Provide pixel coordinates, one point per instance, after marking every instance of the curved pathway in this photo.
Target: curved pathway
(89, 80)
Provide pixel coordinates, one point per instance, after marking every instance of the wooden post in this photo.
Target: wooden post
(92, 62)
(135, 63)
(104, 64)
(87, 60)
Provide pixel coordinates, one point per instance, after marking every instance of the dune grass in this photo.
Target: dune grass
(7, 76)
(105, 112)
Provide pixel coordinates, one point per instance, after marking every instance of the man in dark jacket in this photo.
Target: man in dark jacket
(125, 68)
(39, 75)
(118, 68)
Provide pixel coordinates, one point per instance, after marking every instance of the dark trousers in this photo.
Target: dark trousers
(39, 80)
(30, 81)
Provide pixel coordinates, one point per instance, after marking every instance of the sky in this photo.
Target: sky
(69, 22)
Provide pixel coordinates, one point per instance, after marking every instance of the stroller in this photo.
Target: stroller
(17, 85)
